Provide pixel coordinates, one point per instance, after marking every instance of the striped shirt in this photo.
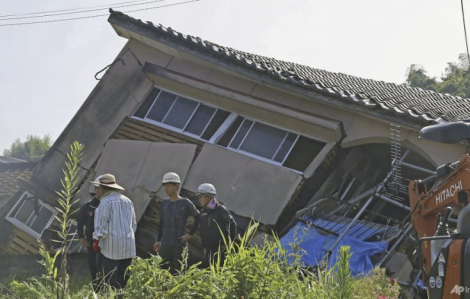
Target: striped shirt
(115, 225)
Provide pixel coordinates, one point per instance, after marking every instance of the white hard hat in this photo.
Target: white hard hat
(171, 177)
(206, 188)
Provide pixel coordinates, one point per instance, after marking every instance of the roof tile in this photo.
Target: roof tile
(414, 103)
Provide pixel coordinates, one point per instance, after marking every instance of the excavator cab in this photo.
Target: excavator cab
(453, 132)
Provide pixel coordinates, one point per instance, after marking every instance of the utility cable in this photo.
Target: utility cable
(465, 32)
(95, 16)
(68, 9)
(79, 12)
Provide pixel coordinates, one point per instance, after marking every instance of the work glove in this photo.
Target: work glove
(96, 245)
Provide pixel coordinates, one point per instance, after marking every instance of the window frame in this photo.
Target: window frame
(175, 129)
(227, 125)
(272, 161)
(223, 128)
(22, 225)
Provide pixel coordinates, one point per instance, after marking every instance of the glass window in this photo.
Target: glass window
(41, 220)
(31, 215)
(260, 139)
(26, 210)
(227, 137)
(263, 140)
(285, 147)
(303, 152)
(215, 123)
(280, 146)
(242, 131)
(238, 133)
(148, 102)
(180, 113)
(200, 119)
(161, 106)
(183, 114)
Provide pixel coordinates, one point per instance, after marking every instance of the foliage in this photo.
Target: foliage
(455, 81)
(417, 77)
(261, 271)
(65, 209)
(32, 149)
(256, 272)
(50, 284)
(376, 285)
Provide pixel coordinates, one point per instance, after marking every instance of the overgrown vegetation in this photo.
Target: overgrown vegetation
(262, 271)
(247, 272)
(50, 284)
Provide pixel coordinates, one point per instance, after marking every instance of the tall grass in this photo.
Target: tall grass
(262, 271)
(55, 282)
(256, 272)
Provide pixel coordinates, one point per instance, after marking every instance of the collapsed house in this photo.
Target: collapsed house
(280, 141)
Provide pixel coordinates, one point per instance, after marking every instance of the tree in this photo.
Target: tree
(33, 149)
(417, 77)
(455, 81)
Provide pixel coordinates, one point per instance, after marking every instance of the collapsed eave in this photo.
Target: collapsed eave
(401, 104)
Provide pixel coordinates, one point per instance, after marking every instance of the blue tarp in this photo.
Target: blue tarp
(315, 243)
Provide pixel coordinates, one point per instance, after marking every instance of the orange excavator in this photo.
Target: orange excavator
(444, 253)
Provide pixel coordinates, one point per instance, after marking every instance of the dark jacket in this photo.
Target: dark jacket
(86, 219)
(173, 220)
(212, 223)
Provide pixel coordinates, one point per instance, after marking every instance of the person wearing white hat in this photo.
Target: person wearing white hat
(216, 223)
(174, 213)
(114, 235)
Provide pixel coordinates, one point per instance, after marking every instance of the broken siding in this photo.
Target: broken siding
(247, 186)
(140, 165)
(20, 242)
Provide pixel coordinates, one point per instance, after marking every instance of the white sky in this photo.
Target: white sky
(47, 70)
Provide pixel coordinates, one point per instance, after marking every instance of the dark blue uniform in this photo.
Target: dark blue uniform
(85, 229)
(214, 224)
(173, 220)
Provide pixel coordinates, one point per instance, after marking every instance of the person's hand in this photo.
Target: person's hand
(186, 238)
(156, 246)
(84, 242)
(96, 246)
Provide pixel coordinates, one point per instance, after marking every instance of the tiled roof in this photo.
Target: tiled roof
(4, 159)
(10, 175)
(415, 104)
